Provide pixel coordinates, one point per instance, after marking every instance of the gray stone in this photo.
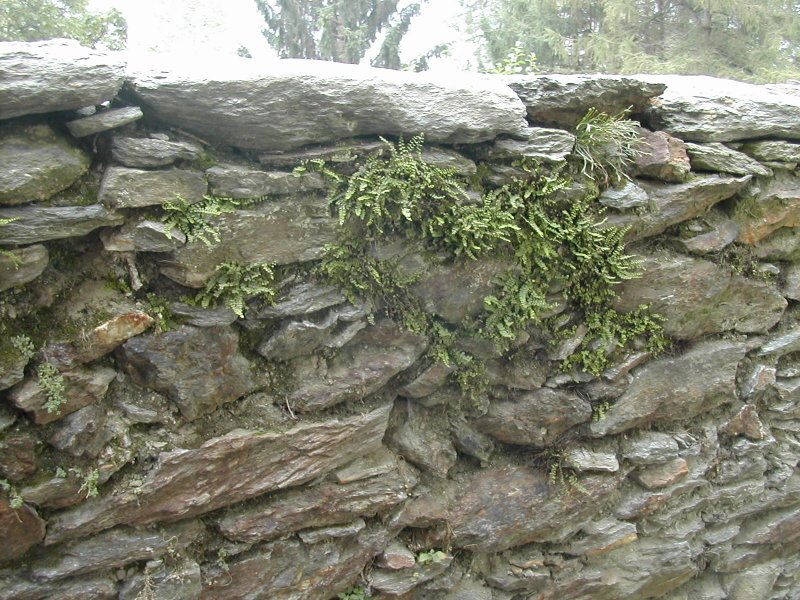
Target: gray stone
(143, 235)
(133, 188)
(745, 422)
(536, 418)
(602, 537)
(82, 386)
(676, 389)
(199, 369)
(83, 433)
(396, 583)
(628, 195)
(420, 440)
(782, 343)
(361, 367)
(784, 244)
(167, 581)
(343, 154)
(757, 381)
(773, 151)
(661, 156)
(707, 109)
(564, 99)
(18, 455)
(527, 371)
(396, 557)
(755, 583)
(103, 121)
(315, 536)
(471, 442)
(204, 317)
(22, 265)
(298, 102)
(53, 75)
(31, 224)
(302, 298)
(148, 153)
(14, 357)
(378, 463)
(468, 589)
(663, 474)
(240, 182)
(428, 381)
(582, 459)
(697, 297)
(16, 587)
(21, 529)
(671, 204)
(444, 158)
(270, 232)
(768, 206)
(37, 164)
(649, 447)
(545, 145)
(234, 467)
(115, 548)
(721, 159)
(791, 282)
(723, 233)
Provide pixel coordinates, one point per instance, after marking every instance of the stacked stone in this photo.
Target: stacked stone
(292, 452)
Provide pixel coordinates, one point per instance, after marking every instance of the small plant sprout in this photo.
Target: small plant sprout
(52, 383)
(15, 500)
(233, 283)
(431, 557)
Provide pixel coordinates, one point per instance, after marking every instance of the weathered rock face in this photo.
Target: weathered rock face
(22, 528)
(135, 188)
(103, 121)
(296, 103)
(147, 152)
(239, 182)
(770, 207)
(31, 224)
(22, 265)
(54, 75)
(661, 156)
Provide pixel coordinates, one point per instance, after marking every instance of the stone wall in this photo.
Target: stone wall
(151, 448)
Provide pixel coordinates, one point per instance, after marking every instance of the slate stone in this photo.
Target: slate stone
(103, 121)
(54, 75)
(491, 515)
(37, 164)
(226, 470)
(745, 422)
(291, 570)
(143, 235)
(18, 456)
(302, 298)
(361, 367)
(471, 442)
(31, 224)
(783, 244)
(83, 386)
(769, 206)
(625, 196)
(544, 145)
(204, 317)
(723, 233)
(562, 100)
(16, 587)
(671, 204)
(697, 297)
(601, 537)
(293, 103)
(325, 534)
(535, 418)
(420, 441)
(396, 557)
(649, 447)
(397, 583)
(781, 343)
(83, 433)
(326, 504)
(445, 158)
(663, 474)
(167, 581)
(148, 152)
(721, 159)
(676, 389)
(115, 548)
(270, 232)
(199, 369)
(661, 156)
(708, 109)
(21, 528)
(22, 265)
(583, 460)
(240, 182)
(773, 151)
(428, 381)
(134, 188)
(342, 154)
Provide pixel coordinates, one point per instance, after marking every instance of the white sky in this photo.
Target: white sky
(203, 29)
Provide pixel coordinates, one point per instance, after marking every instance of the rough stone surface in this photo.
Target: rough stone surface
(536, 418)
(21, 528)
(706, 109)
(240, 182)
(148, 153)
(18, 456)
(563, 99)
(650, 447)
(295, 103)
(238, 466)
(721, 159)
(197, 368)
(698, 297)
(661, 156)
(544, 145)
(143, 236)
(791, 282)
(22, 265)
(628, 195)
(54, 75)
(134, 188)
(397, 583)
(723, 233)
(773, 151)
(94, 588)
(357, 369)
(663, 474)
(300, 299)
(271, 232)
(770, 206)
(449, 159)
(582, 459)
(676, 389)
(31, 224)
(103, 121)
(167, 581)
(37, 164)
(421, 442)
(83, 433)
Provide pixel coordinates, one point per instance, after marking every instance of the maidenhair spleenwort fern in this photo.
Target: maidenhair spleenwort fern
(233, 284)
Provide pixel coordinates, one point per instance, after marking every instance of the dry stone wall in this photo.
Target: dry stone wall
(309, 446)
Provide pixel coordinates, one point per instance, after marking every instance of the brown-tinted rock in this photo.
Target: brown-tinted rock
(396, 583)
(536, 418)
(676, 389)
(662, 157)
(94, 588)
(133, 188)
(20, 528)
(227, 470)
(83, 386)
(649, 447)
(601, 537)
(424, 442)
(723, 233)
(199, 369)
(166, 580)
(18, 456)
(582, 459)
(319, 506)
(428, 381)
(662, 475)
(769, 206)
(504, 508)
(396, 557)
(360, 368)
(747, 423)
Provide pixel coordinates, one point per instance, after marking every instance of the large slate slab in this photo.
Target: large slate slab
(134, 188)
(708, 109)
(147, 152)
(31, 224)
(227, 470)
(103, 121)
(241, 182)
(53, 75)
(37, 164)
(292, 103)
(563, 99)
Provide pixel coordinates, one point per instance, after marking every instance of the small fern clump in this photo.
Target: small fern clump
(52, 383)
(607, 144)
(233, 283)
(193, 220)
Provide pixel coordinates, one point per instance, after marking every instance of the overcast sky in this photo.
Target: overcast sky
(198, 28)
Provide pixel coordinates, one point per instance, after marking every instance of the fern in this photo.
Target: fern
(233, 283)
(193, 220)
(607, 144)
